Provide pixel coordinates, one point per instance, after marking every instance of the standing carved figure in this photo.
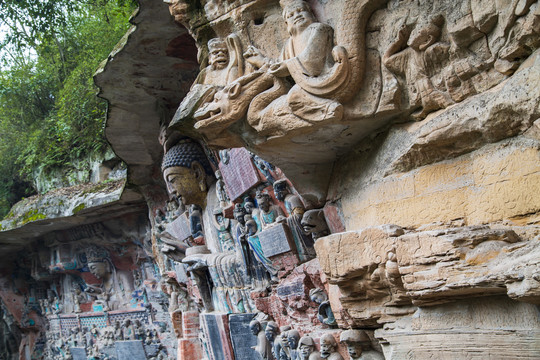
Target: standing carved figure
(272, 332)
(295, 208)
(221, 193)
(223, 228)
(263, 348)
(242, 244)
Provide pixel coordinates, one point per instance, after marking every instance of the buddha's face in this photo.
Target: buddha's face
(100, 269)
(187, 183)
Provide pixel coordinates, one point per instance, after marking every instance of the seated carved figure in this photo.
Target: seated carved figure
(417, 55)
(309, 57)
(318, 68)
(116, 286)
(221, 69)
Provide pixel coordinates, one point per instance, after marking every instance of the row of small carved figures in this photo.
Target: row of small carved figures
(95, 339)
(285, 343)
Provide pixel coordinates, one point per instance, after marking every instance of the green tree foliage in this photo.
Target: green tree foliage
(49, 111)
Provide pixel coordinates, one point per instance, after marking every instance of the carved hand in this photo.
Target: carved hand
(255, 57)
(279, 69)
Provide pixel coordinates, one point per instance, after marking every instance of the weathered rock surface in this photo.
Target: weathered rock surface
(63, 209)
(379, 268)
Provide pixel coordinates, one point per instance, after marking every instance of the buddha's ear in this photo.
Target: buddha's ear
(200, 175)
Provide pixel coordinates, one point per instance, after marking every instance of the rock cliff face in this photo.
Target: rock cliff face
(343, 179)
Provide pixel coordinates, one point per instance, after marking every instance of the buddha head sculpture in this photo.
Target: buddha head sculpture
(99, 262)
(185, 169)
(356, 341)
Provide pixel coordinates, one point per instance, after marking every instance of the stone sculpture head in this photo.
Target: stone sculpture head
(306, 346)
(297, 14)
(218, 54)
(271, 331)
(255, 327)
(239, 214)
(284, 334)
(99, 262)
(251, 225)
(280, 189)
(293, 336)
(185, 169)
(318, 295)
(249, 205)
(356, 341)
(313, 222)
(328, 346)
(263, 200)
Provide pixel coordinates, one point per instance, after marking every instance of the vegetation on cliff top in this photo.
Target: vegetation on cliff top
(49, 111)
